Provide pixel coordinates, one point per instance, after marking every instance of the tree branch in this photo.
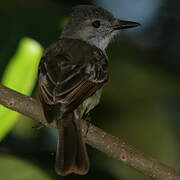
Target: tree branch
(110, 145)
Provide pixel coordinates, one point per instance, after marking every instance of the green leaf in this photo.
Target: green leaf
(16, 168)
(20, 75)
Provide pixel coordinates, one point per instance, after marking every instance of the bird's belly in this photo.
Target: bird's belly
(91, 102)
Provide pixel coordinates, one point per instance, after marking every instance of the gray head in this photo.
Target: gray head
(94, 25)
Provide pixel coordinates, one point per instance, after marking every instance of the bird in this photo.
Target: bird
(71, 76)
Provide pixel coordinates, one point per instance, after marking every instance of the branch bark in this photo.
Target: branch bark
(103, 141)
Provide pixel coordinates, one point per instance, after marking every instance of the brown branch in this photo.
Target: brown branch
(110, 145)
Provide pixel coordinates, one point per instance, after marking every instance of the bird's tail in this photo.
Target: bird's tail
(71, 155)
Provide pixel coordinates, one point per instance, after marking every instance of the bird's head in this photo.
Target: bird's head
(94, 25)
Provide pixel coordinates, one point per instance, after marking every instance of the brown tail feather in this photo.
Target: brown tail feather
(71, 155)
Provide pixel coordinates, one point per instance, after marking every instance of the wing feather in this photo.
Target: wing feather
(64, 84)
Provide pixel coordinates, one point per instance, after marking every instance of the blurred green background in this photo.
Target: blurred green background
(140, 103)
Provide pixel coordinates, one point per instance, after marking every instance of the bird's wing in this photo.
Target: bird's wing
(65, 84)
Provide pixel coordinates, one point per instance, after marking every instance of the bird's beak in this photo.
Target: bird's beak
(125, 25)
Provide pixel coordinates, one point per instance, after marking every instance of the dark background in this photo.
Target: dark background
(140, 103)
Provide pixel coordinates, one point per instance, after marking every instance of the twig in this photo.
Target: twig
(110, 145)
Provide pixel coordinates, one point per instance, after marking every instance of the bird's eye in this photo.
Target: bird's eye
(96, 24)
